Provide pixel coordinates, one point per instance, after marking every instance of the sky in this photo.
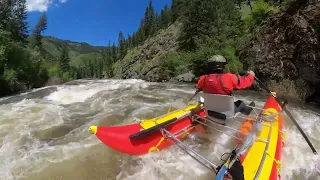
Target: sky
(92, 21)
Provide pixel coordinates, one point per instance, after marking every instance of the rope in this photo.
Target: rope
(279, 165)
(156, 147)
(185, 134)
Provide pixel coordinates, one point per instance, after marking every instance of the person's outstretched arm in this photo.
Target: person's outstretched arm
(242, 82)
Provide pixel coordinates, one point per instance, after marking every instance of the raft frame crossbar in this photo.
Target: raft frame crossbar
(186, 148)
(224, 126)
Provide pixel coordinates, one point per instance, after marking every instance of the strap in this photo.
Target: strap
(218, 76)
(238, 79)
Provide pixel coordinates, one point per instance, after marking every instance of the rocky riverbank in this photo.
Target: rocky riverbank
(285, 53)
(146, 61)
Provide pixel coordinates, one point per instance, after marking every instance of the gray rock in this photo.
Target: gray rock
(186, 77)
(287, 47)
(146, 61)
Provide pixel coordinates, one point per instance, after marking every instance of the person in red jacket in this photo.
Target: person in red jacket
(216, 82)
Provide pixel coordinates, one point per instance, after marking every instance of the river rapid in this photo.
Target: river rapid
(44, 134)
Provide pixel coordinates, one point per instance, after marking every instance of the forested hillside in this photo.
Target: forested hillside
(30, 60)
(185, 34)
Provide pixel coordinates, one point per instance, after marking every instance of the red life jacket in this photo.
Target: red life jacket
(218, 83)
(213, 84)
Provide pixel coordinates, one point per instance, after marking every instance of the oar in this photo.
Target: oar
(159, 126)
(289, 114)
(198, 90)
(151, 130)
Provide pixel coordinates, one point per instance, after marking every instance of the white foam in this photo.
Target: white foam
(79, 93)
(169, 164)
(298, 160)
(191, 91)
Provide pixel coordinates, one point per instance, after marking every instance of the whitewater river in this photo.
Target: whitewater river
(44, 134)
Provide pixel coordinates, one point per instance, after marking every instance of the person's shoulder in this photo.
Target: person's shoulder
(201, 78)
(205, 75)
(229, 74)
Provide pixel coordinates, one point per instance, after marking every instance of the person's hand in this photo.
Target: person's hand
(198, 90)
(251, 72)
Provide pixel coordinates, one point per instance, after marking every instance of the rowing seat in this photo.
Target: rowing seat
(219, 108)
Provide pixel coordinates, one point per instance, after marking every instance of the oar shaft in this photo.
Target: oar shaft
(289, 114)
(301, 131)
(198, 90)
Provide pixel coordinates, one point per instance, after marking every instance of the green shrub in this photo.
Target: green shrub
(199, 59)
(68, 76)
(174, 63)
(55, 71)
(259, 14)
(10, 76)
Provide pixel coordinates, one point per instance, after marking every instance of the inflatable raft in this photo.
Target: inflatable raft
(259, 138)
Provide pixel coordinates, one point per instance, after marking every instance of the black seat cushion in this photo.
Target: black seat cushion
(217, 115)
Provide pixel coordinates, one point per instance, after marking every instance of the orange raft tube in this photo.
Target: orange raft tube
(261, 161)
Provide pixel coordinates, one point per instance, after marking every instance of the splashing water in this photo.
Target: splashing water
(43, 134)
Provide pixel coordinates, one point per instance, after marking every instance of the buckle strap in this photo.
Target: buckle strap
(218, 76)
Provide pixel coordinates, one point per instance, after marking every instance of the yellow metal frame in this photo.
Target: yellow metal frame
(146, 124)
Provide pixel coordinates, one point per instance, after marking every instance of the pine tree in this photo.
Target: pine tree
(156, 24)
(140, 34)
(114, 52)
(5, 9)
(149, 20)
(122, 45)
(197, 23)
(134, 40)
(177, 7)
(64, 59)
(227, 24)
(165, 17)
(206, 19)
(239, 2)
(39, 28)
(17, 23)
(107, 59)
(130, 42)
(146, 22)
(109, 49)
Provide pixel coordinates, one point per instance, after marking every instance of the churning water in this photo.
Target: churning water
(44, 134)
